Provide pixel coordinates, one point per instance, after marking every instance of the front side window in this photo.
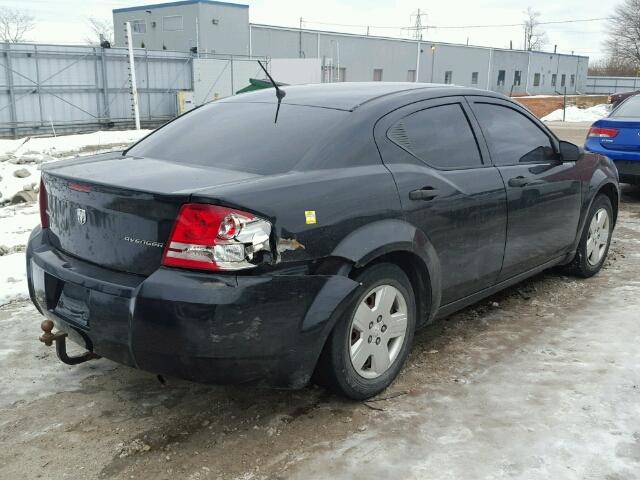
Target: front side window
(172, 23)
(138, 26)
(512, 137)
(439, 136)
(501, 76)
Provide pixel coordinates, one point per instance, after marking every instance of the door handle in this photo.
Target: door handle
(523, 182)
(425, 193)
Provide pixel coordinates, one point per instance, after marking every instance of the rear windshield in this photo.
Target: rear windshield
(628, 108)
(241, 136)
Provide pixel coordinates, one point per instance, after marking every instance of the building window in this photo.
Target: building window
(501, 76)
(342, 74)
(377, 74)
(448, 77)
(572, 80)
(554, 79)
(517, 78)
(536, 80)
(138, 26)
(172, 23)
(474, 78)
(411, 75)
(563, 80)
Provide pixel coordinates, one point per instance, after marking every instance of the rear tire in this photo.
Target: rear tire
(596, 239)
(370, 343)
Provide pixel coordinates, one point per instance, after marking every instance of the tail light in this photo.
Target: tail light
(210, 237)
(42, 200)
(603, 132)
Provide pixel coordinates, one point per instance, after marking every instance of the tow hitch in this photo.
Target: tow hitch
(61, 345)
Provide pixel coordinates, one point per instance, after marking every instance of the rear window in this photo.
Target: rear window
(630, 108)
(241, 136)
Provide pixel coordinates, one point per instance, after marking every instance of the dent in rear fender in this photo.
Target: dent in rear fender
(386, 236)
(204, 315)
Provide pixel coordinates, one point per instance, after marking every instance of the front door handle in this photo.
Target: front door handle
(523, 182)
(425, 193)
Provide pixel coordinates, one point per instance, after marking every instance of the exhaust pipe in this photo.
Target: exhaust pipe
(60, 338)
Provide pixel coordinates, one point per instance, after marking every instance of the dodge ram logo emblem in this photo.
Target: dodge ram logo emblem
(81, 216)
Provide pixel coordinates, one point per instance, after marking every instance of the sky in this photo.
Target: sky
(65, 21)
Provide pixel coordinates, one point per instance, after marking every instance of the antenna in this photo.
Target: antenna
(279, 93)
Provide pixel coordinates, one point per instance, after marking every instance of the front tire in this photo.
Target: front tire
(370, 343)
(596, 239)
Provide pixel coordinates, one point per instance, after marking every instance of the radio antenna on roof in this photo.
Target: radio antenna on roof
(279, 92)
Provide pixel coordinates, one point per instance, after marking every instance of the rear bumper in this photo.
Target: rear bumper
(198, 326)
(627, 163)
(628, 170)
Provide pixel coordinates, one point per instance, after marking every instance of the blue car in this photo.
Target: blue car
(618, 137)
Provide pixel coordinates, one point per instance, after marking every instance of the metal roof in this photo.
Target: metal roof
(177, 4)
(341, 96)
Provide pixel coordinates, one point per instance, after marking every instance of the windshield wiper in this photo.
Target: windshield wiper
(279, 92)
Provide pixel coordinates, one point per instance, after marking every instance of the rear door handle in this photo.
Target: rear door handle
(425, 193)
(523, 182)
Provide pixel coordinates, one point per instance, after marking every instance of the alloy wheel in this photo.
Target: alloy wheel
(598, 238)
(377, 332)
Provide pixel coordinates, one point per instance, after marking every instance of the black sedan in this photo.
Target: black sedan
(229, 247)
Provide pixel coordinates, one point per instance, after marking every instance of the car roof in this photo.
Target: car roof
(345, 95)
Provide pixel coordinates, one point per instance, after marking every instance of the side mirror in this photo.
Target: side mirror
(569, 152)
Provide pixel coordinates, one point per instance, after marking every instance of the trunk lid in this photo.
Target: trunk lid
(118, 211)
(628, 138)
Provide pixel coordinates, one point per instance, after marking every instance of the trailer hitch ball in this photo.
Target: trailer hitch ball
(48, 338)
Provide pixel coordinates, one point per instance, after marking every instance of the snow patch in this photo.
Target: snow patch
(577, 114)
(13, 278)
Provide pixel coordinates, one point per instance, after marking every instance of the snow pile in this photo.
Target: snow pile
(42, 148)
(577, 114)
(19, 180)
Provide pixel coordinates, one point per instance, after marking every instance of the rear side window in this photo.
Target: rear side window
(512, 137)
(241, 136)
(439, 136)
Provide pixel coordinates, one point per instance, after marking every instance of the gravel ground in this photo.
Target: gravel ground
(539, 381)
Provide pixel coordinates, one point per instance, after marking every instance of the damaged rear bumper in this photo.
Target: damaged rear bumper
(199, 326)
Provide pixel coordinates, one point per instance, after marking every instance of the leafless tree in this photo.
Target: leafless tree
(14, 25)
(623, 42)
(99, 29)
(611, 66)
(535, 38)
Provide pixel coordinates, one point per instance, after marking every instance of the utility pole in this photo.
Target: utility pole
(416, 32)
(300, 40)
(132, 78)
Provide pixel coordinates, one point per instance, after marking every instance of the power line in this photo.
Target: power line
(442, 27)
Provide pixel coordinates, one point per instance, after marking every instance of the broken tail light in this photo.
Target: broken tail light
(211, 237)
(599, 132)
(42, 200)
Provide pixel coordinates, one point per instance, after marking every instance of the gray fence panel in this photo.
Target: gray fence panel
(609, 85)
(76, 88)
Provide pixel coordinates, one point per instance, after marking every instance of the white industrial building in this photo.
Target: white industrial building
(223, 29)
